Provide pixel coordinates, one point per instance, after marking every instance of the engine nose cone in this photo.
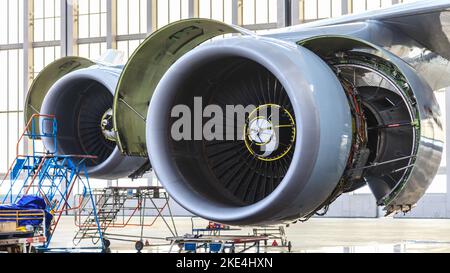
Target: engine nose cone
(261, 131)
(107, 126)
(270, 132)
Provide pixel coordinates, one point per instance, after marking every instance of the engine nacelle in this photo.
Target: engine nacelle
(354, 115)
(82, 102)
(224, 180)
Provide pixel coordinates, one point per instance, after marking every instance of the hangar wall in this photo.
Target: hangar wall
(40, 31)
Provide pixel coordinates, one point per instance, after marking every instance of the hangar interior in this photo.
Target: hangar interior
(34, 33)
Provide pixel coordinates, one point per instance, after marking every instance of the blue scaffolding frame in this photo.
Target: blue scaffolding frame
(48, 174)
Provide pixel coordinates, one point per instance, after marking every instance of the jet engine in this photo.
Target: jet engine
(79, 93)
(350, 115)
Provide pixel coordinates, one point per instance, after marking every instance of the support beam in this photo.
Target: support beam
(28, 58)
(194, 9)
(73, 28)
(237, 12)
(152, 16)
(69, 27)
(297, 12)
(347, 6)
(283, 13)
(111, 24)
(11, 46)
(447, 146)
(63, 27)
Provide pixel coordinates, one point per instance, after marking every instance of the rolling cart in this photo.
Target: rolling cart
(15, 238)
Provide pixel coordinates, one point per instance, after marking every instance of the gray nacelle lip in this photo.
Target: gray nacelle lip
(108, 77)
(286, 61)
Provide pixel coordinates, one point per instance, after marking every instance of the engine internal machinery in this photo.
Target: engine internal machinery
(386, 124)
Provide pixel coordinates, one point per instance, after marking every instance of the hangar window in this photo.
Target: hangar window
(91, 36)
(311, 10)
(46, 20)
(216, 9)
(259, 12)
(46, 33)
(133, 17)
(91, 50)
(43, 56)
(11, 79)
(91, 18)
(168, 11)
(128, 47)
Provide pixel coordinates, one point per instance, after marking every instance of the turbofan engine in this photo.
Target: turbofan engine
(349, 117)
(79, 94)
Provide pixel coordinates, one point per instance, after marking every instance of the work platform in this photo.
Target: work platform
(216, 238)
(117, 206)
(46, 179)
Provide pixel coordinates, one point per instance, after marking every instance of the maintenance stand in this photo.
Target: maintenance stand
(45, 175)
